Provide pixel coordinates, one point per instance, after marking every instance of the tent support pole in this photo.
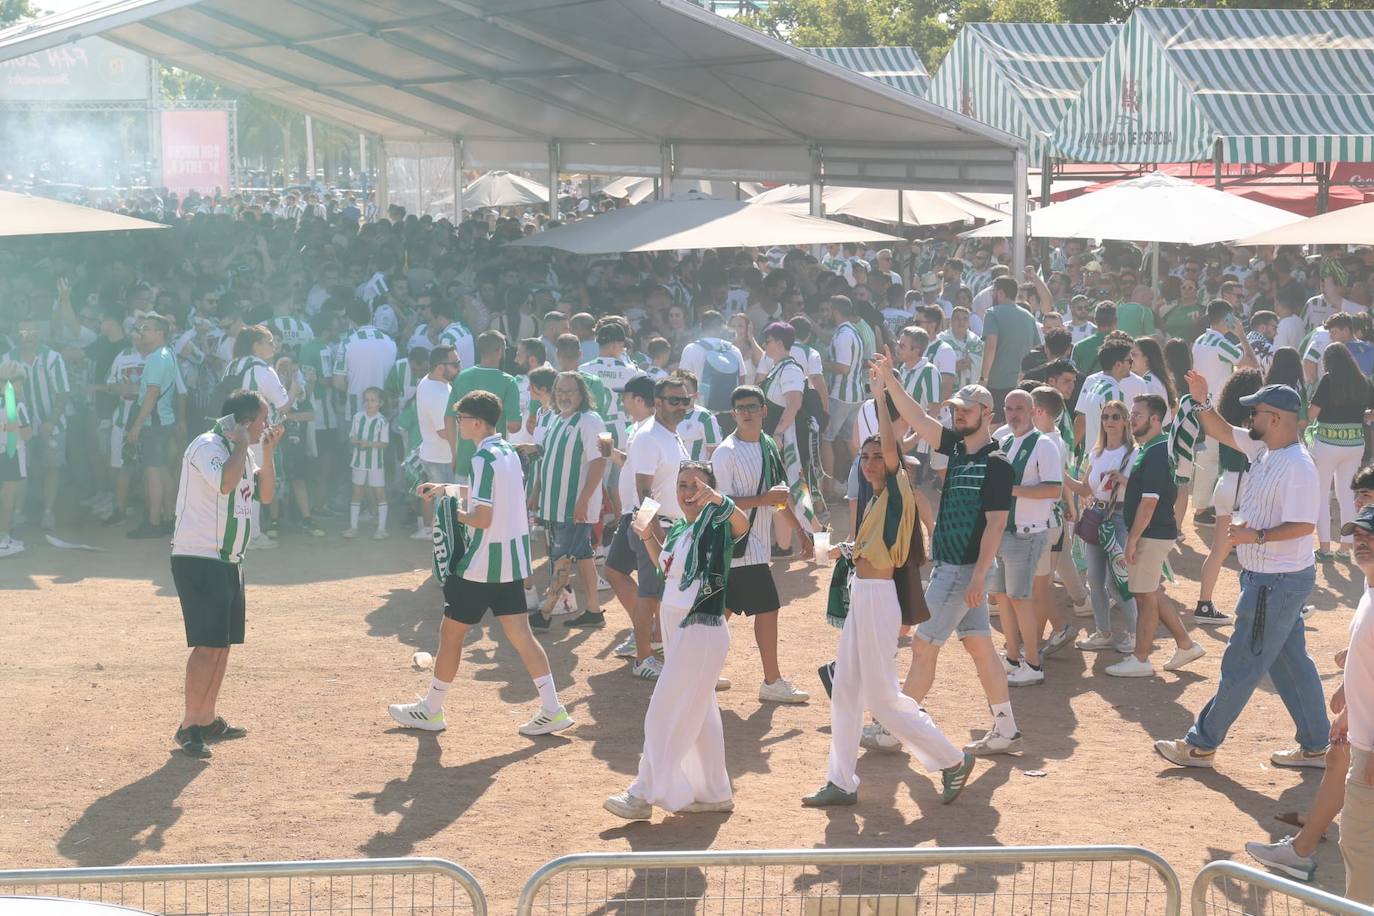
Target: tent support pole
(1154, 269)
(553, 179)
(1046, 187)
(817, 181)
(1216, 164)
(664, 189)
(1018, 213)
(1323, 172)
(383, 182)
(457, 182)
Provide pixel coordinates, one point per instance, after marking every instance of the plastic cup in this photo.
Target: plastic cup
(422, 661)
(821, 541)
(646, 512)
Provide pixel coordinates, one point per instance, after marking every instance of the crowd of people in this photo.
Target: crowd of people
(951, 438)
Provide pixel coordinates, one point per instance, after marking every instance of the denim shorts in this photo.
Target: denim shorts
(1014, 572)
(438, 471)
(627, 555)
(948, 611)
(570, 539)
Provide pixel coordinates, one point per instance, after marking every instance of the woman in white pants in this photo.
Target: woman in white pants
(682, 768)
(864, 673)
(1342, 399)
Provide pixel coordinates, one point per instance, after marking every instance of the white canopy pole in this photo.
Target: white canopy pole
(1018, 214)
(457, 182)
(664, 190)
(383, 184)
(553, 179)
(817, 181)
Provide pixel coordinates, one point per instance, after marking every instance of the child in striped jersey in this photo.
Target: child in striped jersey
(369, 435)
(700, 430)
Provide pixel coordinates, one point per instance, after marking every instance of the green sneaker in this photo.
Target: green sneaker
(828, 795)
(547, 723)
(953, 780)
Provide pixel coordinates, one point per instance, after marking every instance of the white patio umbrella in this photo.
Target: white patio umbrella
(22, 215)
(877, 205)
(638, 190)
(1347, 226)
(1152, 208)
(671, 225)
(502, 189)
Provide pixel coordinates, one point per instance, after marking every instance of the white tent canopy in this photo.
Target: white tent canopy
(1347, 226)
(21, 215)
(673, 225)
(638, 190)
(1152, 208)
(880, 205)
(502, 189)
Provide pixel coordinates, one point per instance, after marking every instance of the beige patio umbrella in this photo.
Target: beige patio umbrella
(673, 225)
(638, 190)
(23, 215)
(1347, 226)
(878, 205)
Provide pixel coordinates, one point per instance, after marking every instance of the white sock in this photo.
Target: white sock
(381, 516)
(1003, 722)
(548, 697)
(434, 700)
(353, 510)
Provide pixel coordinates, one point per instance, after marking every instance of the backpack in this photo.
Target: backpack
(719, 377)
(232, 381)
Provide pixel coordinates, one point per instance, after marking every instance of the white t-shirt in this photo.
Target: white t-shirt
(1045, 465)
(738, 466)
(431, 406)
(674, 596)
(1215, 357)
(1278, 488)
(809, 360)
(1098, 389)
(625, 486)
(1290, 333)
(657, 450)
(1100, 464)
(365, 357)
(1359, 674)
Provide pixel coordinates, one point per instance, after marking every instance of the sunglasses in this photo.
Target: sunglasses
(676, 401)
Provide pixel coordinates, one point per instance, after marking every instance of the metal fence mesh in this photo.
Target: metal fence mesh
(393, 894)
(1227, 893)
(1100, 888)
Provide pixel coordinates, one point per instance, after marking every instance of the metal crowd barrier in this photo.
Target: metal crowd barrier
(396, 887)
(1227, 888)
(1097, 880)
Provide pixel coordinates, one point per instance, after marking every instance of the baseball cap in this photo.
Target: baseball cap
(930, 283)
(970, 395)
(1363, 521)
(1279, 397)
(1093, 266)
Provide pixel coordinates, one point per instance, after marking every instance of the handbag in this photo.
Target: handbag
(1091, 519)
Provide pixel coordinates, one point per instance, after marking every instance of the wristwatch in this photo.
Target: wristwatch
(1259, 536)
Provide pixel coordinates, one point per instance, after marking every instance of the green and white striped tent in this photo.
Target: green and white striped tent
(1020, 76)
(898, 67)
(1271, 85)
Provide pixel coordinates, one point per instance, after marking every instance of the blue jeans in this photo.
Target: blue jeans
(1277, 647)
(1101, 587)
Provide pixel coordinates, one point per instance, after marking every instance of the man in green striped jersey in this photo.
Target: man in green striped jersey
(699, 429)
(845, 365)
(481, 562)
(613, 369)
(48, 387)
(219, 481)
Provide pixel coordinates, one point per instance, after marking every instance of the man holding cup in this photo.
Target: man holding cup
(748, 467)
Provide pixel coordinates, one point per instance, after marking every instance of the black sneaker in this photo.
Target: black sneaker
(538, 622)
(1205, 517)
(587, 620)
(192, 742)
(779, 552)
(114, 518)
(1208, 615)
(220, 730)
(827, 675)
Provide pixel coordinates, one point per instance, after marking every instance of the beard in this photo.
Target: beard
(968, 430)
(1256, 435)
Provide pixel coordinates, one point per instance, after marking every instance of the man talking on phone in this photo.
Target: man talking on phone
(219, 482)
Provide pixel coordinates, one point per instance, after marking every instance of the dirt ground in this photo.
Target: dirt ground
(91, 661)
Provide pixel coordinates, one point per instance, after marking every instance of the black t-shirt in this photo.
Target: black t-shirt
(102, 352)
(1152, 474)
(974, 485)
(1342, 406)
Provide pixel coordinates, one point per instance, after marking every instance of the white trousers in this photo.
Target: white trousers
(865, 680)
(1206, 469)
(1336, 466)
(684, 744)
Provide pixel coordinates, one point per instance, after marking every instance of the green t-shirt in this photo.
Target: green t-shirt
(1085, 353)
(160, 369)
(1016, 334)
(1184, 321)
(483, 378)
(1135, 319)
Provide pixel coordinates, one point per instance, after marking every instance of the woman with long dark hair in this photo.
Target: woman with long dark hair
(1286, 369)
(1147, 361)
(1232, 465)
(1339, 404)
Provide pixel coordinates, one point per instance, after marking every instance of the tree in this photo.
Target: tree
(14, 10)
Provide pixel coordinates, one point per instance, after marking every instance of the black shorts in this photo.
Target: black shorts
(211, 594)
(750, 590)
(10, 471)
(466, 601)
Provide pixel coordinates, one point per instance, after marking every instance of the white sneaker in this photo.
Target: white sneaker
(1180, 753)
(261, 542)
(414, 715)
(723, 684)
(599, 554)
(1183, 657)
(1008, 666)
(1297, 757)
(1125, 644)
(877, 738)
(1281, 856)
(780, 691)
(381, 535)
(648, 669)
(1097, 642)
(546, 723)
(720, 807)
(1023, 675)
(423, 534)
(9, 548)
(628, 806)
(1083, 609)
(627, 649)
(601, 584)
(994, 743)
(351, 533)
(1130, 666)
(1058, 640)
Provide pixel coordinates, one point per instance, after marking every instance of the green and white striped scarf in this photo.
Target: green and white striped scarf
(708, 561)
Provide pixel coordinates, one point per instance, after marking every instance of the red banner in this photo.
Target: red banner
(195, 151)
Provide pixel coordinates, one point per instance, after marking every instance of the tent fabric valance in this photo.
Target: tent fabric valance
(1271, 85)
(1020, 77)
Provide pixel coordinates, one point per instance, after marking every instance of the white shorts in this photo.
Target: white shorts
(1225, 497)
(369, 477)
(116, 445)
